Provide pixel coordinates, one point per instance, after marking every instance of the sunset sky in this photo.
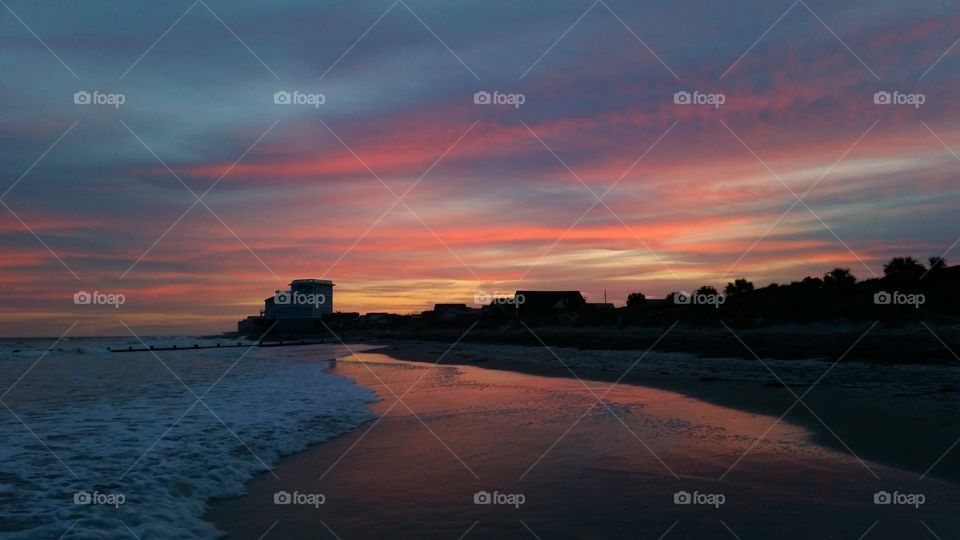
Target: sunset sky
(494, 197)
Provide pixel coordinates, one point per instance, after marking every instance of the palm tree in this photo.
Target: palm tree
(839, 280)
(738, 287)
(903, 270)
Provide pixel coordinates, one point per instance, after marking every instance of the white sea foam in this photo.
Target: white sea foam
(108, 417)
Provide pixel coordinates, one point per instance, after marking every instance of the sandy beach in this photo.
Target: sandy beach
(557, 462)
(903, 415)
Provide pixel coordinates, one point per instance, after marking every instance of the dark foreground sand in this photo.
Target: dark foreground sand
(606, 471)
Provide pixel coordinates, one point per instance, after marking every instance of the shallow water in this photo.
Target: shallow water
(127, 432)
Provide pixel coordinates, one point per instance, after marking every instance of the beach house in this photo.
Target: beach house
(294, 310)
(549, 301)
(537, 304)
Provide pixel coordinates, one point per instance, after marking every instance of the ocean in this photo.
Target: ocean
(101, 444)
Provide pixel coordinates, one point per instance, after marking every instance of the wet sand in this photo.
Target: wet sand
(585, 469)
(906, 416)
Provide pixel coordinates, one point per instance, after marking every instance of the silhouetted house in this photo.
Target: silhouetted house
(549, 301)
(450, 312)
(253, 325)
(497, 309)
(341, 319)
(547, 304)
(295, 310)
(379, 319)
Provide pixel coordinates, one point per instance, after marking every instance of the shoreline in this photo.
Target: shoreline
(857, 407)
(414, 472)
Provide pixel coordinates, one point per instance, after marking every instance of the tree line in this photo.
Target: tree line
(908, 289)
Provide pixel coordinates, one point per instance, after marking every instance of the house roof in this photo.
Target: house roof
(445, 307)
(550, 299)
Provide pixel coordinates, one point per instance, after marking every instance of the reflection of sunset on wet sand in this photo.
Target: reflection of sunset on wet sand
(414, 473)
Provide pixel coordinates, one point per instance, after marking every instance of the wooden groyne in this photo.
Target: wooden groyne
(232, 345)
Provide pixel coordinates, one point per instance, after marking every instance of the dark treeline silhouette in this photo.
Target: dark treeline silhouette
(907, 293)
(837, 306)
(908, 290)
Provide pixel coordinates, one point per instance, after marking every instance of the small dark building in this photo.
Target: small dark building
(546, 305)
(379, 319)
(341, 320)
(449, 312)
(549, 301)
